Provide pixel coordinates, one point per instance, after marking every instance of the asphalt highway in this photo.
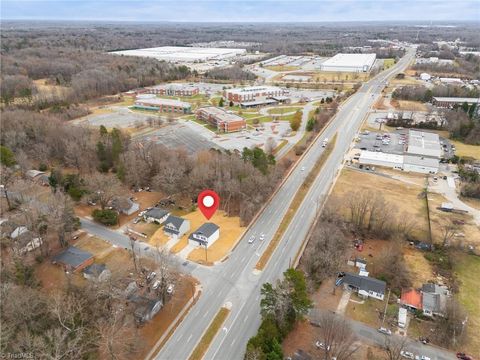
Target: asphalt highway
(235, 283)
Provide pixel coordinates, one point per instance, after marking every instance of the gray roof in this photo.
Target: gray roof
(421, 161)
(431, 301)
(72, 256)
(206, 229)
(434, 297)
(176, 222)
(156, 213)
(365, 283)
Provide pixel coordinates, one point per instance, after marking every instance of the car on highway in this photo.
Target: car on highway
(252, 239)
(321, 345)
(422, 357)
(407, 355)
(385, 331)
(463, 356)
(262, 237)
(302, 168)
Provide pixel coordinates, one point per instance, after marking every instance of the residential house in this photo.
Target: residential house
(176, 227)
(156, 215)
(125, 206)
(38, 177)
(205, 235)
(365, 286)
(97, 272)
(24, 240)
(411, 299)
(434, 299)
(73, 259)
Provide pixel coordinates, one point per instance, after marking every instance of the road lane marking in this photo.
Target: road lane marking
(188, 340)
(233, 342)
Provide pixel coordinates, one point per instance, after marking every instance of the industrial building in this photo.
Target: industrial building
(184, 54)
(424, 144)
(381, 159)
(163, 105)
(173, 90)
(420, 164)
(256, 95)
(349, 63)
(223, 120)
(446, 102)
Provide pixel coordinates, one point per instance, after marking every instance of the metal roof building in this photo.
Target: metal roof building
(349, 63)
(424, 144)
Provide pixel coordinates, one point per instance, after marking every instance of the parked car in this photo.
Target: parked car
(407, 355)
(385, 331)
(252, 239)
(424, 340)
(321, 345)
(151, 276)
(463, 356)
(136, 220)
(422, 357)
(170, 289)
(156, 284)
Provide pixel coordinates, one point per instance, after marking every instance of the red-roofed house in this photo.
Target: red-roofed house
(411, 298)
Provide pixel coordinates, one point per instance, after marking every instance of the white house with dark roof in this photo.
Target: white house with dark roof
(205, 235)
(157, 215)
(176, 227)
(365, 286)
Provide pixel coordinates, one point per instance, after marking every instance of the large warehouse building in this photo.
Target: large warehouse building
(223, 120)
(184, 53)
(349, 63)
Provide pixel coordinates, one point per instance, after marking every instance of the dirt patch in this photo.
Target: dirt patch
(94, 245)
(368, 311)
(54, 278)
(406, 105)
(324, 298)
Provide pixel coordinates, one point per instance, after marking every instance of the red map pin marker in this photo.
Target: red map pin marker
(208, 201)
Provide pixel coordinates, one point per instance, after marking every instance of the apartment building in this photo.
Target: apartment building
(221, 119)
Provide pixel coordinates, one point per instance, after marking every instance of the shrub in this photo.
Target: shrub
(43, 167)
(105, 217)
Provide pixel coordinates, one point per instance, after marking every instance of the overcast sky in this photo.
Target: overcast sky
(243, 11)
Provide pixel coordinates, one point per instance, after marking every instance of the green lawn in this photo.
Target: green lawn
(467, 270)
(369, 312)
(249, 115)
(261, 119)
(284, 110)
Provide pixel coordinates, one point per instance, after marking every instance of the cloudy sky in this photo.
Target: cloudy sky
(243, 10)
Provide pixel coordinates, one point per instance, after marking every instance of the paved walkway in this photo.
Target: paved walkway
(342, 304)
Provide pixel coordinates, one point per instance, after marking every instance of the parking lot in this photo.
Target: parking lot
(180, 135)
(116, 116)
(391, 143)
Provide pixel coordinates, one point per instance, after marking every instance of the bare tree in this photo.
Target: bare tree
(393, 347)
(336, 336)
(167, 271)
(448, 230)
(103, 187)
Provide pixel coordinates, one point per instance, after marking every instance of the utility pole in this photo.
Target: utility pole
(386, 305)
(206, 258)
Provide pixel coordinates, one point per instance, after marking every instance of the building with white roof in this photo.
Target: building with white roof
(349, 63)
(420, 164)
(254, 93)
(422, 143)
(176, 89)
(184, 53)
(381, 159)
(451, 101)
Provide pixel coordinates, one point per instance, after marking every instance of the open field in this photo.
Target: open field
(281, 68)
(209, 334)
(387, 63)
(467, 268)
(409, 105)
(338, 76)
(403, 197)
(465, 150)
(420, 269)
(284, 110)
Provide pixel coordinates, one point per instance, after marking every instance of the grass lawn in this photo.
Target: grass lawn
(420, 269)
(261, 119)
(249, 115)
(280, 68)
(280, 146)
(466, 150)
(369, 312)
(284, 110)
(208, 126)
(209, 335)
(387, 63)
(467, 270)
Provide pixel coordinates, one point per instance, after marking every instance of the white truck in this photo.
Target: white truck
(325, 142)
